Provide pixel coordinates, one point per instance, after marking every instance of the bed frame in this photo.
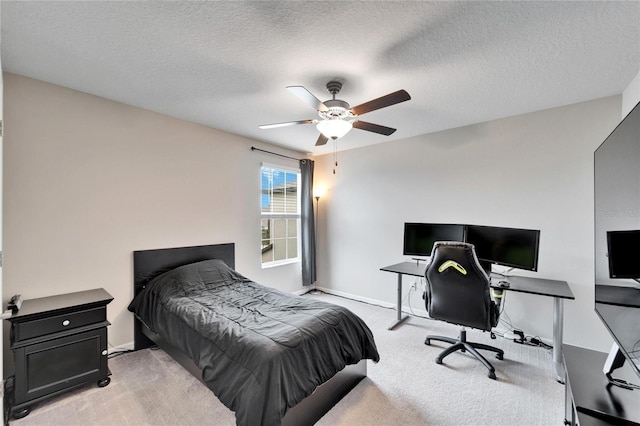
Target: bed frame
(148, 264)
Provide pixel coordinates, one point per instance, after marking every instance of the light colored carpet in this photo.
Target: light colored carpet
(406, 387)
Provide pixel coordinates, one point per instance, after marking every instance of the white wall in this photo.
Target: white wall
(631, 95)
(530, 171)
(88, 181)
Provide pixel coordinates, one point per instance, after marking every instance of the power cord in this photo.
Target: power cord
(414, 287)
(9, 386)
(117, 351)
(536, 341)
(522, 339)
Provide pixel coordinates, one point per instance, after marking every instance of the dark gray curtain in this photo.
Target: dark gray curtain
(308, 223)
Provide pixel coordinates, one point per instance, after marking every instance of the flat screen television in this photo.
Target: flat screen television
(419, 237)
(623, 253)
(511, 247)
(616, 229)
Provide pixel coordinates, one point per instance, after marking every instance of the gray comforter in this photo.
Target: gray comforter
(261, 351)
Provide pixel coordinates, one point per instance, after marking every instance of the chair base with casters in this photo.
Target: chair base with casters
(461, 344)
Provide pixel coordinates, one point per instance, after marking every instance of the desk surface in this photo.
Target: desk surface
(619, 296)
(592, 396)
(532, 285)
(407, 268)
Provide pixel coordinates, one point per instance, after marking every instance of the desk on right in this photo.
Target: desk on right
(559, 290)
(590, 399)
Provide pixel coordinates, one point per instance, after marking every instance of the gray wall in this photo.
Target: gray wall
(530, 171)
(631, 95)
(87, 181)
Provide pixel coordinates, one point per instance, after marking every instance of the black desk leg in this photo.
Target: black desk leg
(400, 318)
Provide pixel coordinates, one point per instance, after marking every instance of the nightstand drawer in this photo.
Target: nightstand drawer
(57, 323)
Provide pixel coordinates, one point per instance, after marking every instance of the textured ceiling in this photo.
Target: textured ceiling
(226, 64)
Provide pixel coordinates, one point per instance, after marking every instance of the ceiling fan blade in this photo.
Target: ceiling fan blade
(307, 97)
(382, 102)
(288, 123)
(375, 128)
(322, 140)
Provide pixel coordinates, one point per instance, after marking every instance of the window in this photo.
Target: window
(280, 206)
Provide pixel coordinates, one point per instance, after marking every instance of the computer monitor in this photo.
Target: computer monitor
(511, 247)
(419, 237)
(622, 252)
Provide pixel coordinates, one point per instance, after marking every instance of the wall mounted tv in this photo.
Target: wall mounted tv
(617, 221)
(622, 253)
(419, 237)
(511, 247)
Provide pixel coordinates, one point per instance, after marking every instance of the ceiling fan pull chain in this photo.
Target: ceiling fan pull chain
(335, 155)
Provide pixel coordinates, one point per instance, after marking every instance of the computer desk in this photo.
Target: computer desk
(559, 290)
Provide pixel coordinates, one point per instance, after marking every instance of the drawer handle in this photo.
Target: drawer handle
(66, 322)
(105, 352)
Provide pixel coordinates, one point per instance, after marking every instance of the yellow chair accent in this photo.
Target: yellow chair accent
(452, 264)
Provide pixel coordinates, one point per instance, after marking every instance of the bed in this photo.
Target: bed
(271, 357)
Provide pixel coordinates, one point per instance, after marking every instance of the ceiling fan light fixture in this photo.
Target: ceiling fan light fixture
(334, 128)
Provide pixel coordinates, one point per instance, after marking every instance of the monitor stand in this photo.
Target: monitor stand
(614, 361)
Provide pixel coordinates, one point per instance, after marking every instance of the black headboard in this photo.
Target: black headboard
(148, 264)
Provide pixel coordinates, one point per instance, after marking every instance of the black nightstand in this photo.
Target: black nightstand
(58, 343)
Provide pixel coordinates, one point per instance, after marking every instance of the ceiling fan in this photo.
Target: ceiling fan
(337, 117)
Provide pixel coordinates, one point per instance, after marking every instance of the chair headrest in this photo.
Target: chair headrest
(445, 252)
(454, 244)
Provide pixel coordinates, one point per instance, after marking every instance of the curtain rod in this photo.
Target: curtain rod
(253, 148)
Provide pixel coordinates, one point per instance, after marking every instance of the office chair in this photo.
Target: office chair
(458, 292)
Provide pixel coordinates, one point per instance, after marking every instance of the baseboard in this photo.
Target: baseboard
(305, 290)
(405, 309)
(121, 348)
(356, 297)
